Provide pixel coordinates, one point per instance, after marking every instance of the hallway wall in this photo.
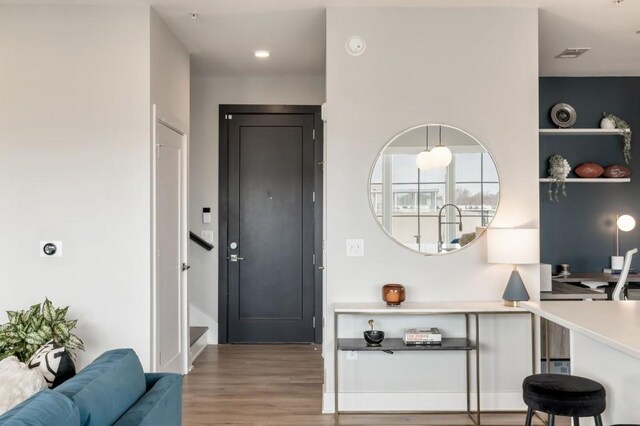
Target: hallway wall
(207, 93)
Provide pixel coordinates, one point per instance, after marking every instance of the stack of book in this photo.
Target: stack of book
(422, 336)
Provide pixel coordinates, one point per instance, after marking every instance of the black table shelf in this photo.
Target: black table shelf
(397, 344)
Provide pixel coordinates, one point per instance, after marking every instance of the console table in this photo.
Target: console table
(465, 343)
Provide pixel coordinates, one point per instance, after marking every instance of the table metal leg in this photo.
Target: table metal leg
(335, 367)
(546, 344)
(478, 368)
(467, 368)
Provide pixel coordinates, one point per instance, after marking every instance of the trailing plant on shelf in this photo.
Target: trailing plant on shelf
(559, 169)
(27, 330)
(619, 123)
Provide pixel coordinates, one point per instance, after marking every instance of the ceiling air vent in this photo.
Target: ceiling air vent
(572, 52)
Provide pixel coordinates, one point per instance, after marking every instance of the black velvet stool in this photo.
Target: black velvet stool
(563, 395)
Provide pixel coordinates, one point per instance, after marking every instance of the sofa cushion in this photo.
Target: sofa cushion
(107, 387)
(161, 405)
(46, 408)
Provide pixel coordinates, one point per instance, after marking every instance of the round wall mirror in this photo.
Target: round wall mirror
(434, 189)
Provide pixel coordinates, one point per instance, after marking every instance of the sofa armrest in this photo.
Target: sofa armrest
(161, 405)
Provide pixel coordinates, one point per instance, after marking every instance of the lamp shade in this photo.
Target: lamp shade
(626, 223)
(424, 161)
(442, 156)
(513, 246)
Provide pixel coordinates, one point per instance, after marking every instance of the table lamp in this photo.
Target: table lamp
(515, 247)
(624, 223)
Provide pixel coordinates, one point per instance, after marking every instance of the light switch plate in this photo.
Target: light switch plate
(207, 236)
(355, 248)
(58, 248)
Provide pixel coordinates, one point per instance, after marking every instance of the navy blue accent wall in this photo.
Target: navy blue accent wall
(580, 229)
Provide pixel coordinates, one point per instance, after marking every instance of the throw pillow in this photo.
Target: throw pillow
(17, 383)
(54, 362)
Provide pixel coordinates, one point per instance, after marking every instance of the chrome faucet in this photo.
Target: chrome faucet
(440, 223)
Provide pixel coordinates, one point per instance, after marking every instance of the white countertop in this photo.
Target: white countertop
(425, 308)
(615, 324)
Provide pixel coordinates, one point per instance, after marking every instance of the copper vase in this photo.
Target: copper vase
(393, 294)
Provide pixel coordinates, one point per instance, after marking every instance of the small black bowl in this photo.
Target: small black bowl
(373, 337)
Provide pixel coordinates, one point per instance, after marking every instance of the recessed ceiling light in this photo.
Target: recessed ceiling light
(617, 2)
(194, 15)
(573, 52)
(262, 54)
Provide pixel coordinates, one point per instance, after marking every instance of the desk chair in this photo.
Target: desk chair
(619, 292)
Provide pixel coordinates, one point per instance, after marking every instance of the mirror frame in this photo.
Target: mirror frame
(372, 208)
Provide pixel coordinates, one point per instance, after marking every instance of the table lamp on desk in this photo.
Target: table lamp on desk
(514, 247)
(624, 223)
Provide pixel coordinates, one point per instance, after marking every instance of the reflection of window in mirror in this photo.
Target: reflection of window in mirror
(407, 201)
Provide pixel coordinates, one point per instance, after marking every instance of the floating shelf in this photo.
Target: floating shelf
(585, 132)
(589, 180)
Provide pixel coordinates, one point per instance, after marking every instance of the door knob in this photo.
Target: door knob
(235, 258)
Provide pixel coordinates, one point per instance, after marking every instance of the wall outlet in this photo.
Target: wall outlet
(207, 236)
(352, 355)
(355, 248)
(50, 248)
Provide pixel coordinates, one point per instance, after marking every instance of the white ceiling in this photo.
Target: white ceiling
(223, 38)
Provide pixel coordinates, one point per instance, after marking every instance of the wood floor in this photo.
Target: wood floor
(282, 385)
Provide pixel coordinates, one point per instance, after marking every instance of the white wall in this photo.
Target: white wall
(472, 68)
(77, 85)
(74, 166)
(170, 76)
(207, 93)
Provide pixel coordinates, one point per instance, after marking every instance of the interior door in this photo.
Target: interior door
(170, 228)
(270, 239)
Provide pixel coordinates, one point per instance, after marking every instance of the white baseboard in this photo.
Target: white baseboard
(423, 401)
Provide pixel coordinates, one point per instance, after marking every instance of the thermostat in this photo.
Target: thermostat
(206, 215)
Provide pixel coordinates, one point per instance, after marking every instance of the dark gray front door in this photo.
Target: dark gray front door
(270, 241)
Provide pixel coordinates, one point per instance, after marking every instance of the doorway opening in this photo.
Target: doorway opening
(270, 224)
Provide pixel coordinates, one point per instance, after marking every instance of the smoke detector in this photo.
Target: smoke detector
(573, 52)
(355, 45)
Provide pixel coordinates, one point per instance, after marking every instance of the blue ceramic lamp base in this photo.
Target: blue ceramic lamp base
(515, 292)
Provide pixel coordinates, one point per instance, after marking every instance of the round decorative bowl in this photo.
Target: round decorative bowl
(393, 294)
(373, 337)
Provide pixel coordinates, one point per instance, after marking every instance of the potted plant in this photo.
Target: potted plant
(27, 330)
(559, 169)
(613, 121)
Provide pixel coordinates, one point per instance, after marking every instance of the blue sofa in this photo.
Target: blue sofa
(112, 390)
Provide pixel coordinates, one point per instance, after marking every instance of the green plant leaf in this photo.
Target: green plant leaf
(61, 313)
(48, 311)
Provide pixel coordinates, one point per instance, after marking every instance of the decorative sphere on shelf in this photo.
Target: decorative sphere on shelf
(607, 123)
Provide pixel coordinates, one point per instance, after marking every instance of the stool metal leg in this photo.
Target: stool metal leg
(552, 420)
(529, 416)
(598, 420)
(576, 421)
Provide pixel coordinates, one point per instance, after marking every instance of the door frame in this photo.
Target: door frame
(162, 118)
(223, 207)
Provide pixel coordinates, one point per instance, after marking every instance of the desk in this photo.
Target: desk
(595, 276)
(466, 344)
(564, 291)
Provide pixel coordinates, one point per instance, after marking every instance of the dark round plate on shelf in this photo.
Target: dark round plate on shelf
(563, 115)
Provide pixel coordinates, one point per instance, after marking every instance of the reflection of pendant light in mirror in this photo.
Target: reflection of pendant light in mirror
(441, 154)
(424, 160)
